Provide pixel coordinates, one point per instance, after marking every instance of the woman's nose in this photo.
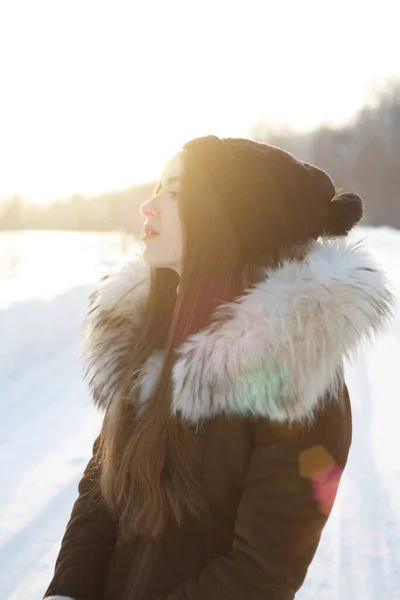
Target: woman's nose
(148, 209)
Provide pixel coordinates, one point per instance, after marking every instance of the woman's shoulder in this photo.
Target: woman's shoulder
(322, 440)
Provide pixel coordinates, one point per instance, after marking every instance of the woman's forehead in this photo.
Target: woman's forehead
(173, 170)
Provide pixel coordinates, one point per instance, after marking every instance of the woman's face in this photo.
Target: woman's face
(162, 229)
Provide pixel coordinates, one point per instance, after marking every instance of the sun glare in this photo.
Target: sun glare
(99, 95)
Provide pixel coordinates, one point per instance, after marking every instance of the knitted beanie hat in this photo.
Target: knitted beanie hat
(272, 199)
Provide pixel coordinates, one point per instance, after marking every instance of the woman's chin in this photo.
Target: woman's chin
(152, 259)
(160, 263)
(149, 258)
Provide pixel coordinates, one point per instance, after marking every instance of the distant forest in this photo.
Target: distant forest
(363, 156)
(112, 211)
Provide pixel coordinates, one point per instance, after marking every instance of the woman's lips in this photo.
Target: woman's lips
(148, 236)
(149, 232)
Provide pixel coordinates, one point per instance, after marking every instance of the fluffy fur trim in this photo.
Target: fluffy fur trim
(275, 352)
(115, 314)
(279, 350)
(59, 598)
(148, 378)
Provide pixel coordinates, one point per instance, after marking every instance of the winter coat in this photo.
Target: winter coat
(265, 392)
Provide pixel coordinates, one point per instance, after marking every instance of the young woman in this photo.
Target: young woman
(218, 361)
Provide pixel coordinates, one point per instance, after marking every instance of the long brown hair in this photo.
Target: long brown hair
(149, 465)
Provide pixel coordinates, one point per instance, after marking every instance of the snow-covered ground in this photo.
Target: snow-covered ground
(47, 423)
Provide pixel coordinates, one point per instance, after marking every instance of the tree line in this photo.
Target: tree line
(362, 156)
(111, 211)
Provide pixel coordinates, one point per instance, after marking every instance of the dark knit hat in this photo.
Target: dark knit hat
(272, 199)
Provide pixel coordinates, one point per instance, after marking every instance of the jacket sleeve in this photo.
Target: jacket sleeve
(86, 546)
(289, 492)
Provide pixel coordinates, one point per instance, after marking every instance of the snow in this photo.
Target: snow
(47, 422)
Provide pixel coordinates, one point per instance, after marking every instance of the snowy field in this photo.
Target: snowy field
(47, 423)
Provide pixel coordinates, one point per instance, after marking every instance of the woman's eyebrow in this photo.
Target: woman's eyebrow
(172, 179)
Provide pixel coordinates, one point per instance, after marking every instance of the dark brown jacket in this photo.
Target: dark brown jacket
(264, 390)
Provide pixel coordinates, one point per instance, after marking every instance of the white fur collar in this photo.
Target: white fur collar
(276, 352)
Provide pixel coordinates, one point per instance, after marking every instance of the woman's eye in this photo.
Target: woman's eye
(174, 193)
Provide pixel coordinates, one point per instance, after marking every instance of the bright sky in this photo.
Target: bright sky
(96, 95)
